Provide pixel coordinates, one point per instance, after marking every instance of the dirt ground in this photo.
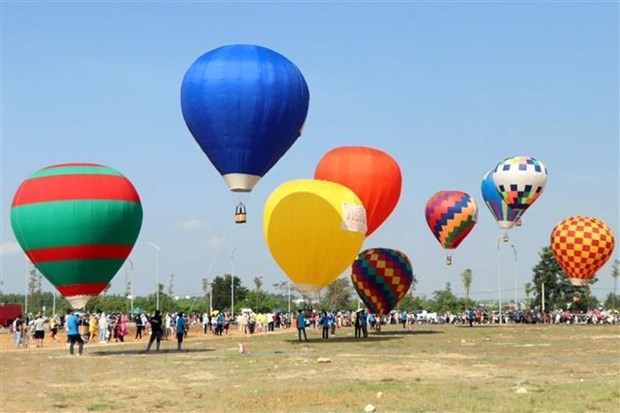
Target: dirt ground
(514, 368)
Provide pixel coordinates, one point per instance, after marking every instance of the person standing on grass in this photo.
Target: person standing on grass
(364, 317)
(403, 318)
(156, 330)
(18, 331)
(325, 324)
(471, 315)
(39, 329)
(358, 324)
(139, 326)
(181, 329)
(73, 334)
(103, 328)
(301, 325)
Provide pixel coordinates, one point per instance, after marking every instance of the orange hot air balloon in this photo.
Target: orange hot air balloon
(373, 175)
(581, 246)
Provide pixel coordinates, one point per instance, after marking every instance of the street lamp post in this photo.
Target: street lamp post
(232, 281)
(514, 249)
(158, 249)
(129, 283)
(499, 282)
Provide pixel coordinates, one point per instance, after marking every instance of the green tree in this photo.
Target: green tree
(615, 272)
(466, 278)
(444, 300)
(558, 289)
(414, 284)
(337, 295)
(221, 292)
(528, 292)
(411, 303)
(610, 301)
(258, 283)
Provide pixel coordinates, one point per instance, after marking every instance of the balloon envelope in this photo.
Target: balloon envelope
(504, 215)
(381, 277)
(372, 174)
(451, 215)
(245, 105)
(581, 246)
(77, 223)
(313, 230)
(520, 180)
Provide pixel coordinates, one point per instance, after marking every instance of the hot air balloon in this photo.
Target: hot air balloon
(520, 180)
(313, 230)
(581, 246)
(245, 105)
(381, 277)
(451, 215)
(505, 216)
(77, 223)
(372, 174)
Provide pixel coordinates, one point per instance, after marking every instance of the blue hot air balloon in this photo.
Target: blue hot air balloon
(505, 216)
(246, 106)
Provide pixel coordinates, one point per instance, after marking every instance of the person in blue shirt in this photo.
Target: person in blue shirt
(325, 324)
(181, 325)
(301, 325)
(364, 323)
(73, 333)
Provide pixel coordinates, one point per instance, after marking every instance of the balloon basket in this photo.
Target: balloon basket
(448, 260)
(240, 214)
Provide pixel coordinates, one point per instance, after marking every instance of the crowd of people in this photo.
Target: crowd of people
(83, 328)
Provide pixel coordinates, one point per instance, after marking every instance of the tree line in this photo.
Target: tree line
(558, 293)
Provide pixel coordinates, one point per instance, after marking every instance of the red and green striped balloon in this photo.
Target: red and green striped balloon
(77, 223)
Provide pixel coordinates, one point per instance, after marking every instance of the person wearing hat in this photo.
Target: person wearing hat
(156, 330)
(181, 324)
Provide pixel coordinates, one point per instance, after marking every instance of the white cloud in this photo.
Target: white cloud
(9, 248)
(192, 224)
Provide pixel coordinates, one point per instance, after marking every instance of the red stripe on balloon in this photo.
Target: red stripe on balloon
(81, 289)
(76, 186)
(77, 252)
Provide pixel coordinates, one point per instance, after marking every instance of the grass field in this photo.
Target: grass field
(515, 368)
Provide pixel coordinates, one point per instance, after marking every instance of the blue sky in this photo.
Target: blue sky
(448, 88)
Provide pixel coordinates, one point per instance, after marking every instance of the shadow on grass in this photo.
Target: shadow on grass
(406, 332)
(336, 339)
(134, 352)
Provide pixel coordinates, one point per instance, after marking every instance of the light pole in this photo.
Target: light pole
(514, 249)
(499, 282)
(289, 296)
(129, 283)
(232, 281)
(158, 249)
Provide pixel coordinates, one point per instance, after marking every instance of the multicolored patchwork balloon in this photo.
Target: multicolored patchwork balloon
(520, 180)
(505, 216)
(581, 245)
(381, 277)
(451, 215)
(77, 223)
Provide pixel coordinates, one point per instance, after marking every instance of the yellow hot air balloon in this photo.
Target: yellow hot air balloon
(313, 229)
